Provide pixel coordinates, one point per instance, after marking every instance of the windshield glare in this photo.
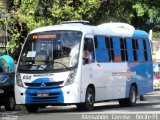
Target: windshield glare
(51, 50)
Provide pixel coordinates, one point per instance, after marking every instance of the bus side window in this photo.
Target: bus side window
(135, 47)
(102, 49)
(111, 49)
(89, 56)
(117, 50)
(108, 47)
(129, 48)
(140, 50)
(124, 54)
(145, 50)
(148, 50)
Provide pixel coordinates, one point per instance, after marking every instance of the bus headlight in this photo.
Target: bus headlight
(71, 77)
(18, 80)
(74, 60)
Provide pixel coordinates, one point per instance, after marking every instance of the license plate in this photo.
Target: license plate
(42, 94)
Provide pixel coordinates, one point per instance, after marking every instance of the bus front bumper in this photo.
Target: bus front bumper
(65, 95)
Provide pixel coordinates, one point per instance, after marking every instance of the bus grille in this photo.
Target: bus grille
(44, 85)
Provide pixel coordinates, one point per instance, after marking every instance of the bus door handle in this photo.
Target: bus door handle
(98, 65)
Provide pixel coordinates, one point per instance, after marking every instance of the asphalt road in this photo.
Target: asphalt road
(144, 110)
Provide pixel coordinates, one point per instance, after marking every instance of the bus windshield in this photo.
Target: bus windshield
(51, 50)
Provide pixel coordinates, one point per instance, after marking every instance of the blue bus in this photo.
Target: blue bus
(76, 63)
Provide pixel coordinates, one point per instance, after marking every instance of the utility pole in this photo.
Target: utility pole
(6, 24)
(150, 35)
(4, 14)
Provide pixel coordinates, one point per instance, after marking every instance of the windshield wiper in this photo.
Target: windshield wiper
(39, 66)
(63, 65)
(30, 65)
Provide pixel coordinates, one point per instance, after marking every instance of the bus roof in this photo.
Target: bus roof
(107, 29)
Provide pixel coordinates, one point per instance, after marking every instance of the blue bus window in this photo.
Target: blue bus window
(101, 42)
(130, 55)
(144, 43)
(145, 50)
(148, 50)
(135, 47)
(140, 44)
(140, 50)
(129, 49)
(129, 43)
(102, 53)
(116, 43)
(107, 42)
(123, 49)
(134, 44)
(117, 49)
(140, 55)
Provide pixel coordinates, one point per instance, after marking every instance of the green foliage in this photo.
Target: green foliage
(156, 36)
(2, 52)
(69, 10)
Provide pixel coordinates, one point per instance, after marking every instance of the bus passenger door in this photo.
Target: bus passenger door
(88, 65)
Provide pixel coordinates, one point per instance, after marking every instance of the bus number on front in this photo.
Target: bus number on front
(27, 77)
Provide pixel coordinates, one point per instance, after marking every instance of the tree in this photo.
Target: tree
(26, 15)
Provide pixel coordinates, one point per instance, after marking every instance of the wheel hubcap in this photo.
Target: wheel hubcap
(11, 103)
(133, 96)
(90, 98)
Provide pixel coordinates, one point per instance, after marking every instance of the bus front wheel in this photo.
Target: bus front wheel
(32, 108)
(88, 105)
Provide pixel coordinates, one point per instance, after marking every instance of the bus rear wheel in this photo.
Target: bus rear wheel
(88, 105)
(131, 100)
